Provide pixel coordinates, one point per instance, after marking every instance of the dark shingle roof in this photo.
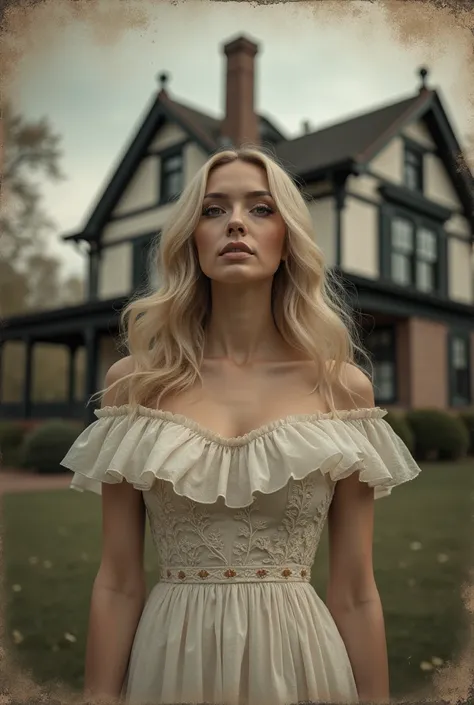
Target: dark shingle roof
(351, 139)
(209, 127)
(354, 140)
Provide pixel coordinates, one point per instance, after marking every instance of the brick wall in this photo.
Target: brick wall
(428, 363)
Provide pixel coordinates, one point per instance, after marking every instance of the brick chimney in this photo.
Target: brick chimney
(240, 123)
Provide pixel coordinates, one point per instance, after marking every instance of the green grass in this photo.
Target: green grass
(422, 602)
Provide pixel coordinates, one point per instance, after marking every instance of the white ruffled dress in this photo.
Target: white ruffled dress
(236, 523)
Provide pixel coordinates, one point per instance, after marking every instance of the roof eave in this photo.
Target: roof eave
(348, 165)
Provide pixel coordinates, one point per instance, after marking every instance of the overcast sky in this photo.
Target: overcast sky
(94, 76)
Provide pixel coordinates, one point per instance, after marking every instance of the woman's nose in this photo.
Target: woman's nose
(236, 227)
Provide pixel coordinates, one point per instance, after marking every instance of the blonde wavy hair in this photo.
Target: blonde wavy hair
(164, 330)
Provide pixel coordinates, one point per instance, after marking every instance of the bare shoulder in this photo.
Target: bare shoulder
(117, 371)
(357, 391)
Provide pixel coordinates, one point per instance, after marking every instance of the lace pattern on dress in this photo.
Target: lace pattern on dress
(186, 539)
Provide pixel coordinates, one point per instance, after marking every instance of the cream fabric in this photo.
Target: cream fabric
(236, 523)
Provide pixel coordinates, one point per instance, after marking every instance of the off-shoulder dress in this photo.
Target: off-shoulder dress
(236, 524)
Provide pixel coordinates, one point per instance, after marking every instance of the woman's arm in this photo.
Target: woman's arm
(119, 590)
(352, 595)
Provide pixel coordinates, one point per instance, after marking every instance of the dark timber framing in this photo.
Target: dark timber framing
(84, 325)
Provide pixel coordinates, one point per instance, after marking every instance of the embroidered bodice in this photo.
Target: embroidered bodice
(275, 538)
(246, 509)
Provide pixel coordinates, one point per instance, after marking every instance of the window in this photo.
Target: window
(414, 256)
(403, 247)
(426, 260)
(380, 344)
(171, 176)
(460, 372)
(413, 169)
(144, 267)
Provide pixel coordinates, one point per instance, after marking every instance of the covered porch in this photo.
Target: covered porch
(408, 335)
(76, 329)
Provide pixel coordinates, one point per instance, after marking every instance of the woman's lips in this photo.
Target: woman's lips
(241, 254)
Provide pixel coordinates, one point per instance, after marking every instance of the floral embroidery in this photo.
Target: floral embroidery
(296, 538)
(181, 534)
(275, 538)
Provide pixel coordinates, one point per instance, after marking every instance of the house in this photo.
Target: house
(393, 205)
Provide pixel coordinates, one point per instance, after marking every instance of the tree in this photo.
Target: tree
(30, 149)
(30, 278)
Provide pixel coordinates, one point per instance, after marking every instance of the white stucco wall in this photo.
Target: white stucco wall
(460, 270)
(323, 214)
(360, 239)
(142, 191)
(418, 132)
(116, 271)
(389, 162)
(438, 186)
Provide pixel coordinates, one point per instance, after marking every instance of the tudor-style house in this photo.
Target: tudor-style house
(393, 205)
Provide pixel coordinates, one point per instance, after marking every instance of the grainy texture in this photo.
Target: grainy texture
(24, 24)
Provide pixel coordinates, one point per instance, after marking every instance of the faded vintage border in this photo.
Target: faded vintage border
(412, 21)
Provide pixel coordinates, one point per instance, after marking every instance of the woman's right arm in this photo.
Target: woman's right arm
(119, 589)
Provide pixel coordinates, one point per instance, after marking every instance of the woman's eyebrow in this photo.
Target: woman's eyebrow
(249, 194)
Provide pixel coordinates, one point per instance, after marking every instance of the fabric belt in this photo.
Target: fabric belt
(236, 574)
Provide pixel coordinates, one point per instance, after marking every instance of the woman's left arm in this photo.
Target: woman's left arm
(352, 595)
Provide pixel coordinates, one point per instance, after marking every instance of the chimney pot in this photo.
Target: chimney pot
(240, 124)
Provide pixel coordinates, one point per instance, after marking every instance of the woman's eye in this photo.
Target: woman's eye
(211, 210)
(264, 210)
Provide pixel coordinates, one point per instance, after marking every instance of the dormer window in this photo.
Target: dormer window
(413, 169)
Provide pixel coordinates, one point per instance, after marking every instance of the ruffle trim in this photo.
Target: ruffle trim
(141, 445)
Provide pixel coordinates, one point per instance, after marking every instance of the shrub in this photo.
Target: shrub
(438, 435)
(12, 434)
(401, 428)
(467, 417)
(46, 446)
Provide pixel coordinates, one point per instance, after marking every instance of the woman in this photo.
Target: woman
(239, 422)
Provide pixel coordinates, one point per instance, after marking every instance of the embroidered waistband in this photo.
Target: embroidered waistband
(236, 574)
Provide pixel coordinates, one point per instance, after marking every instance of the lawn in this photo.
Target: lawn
(423, 548)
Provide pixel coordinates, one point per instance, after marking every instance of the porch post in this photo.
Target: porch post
(91, 340)
(28, 380)
(1, 371)
(72, 375)
(339, 185)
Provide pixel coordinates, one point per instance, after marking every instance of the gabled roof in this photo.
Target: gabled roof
(352, 139)
(347, 145)
(201, 128)
(198, 126)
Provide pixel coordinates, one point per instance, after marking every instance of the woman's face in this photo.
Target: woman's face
(239, 210)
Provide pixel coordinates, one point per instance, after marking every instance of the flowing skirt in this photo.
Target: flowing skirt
(240, 644)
